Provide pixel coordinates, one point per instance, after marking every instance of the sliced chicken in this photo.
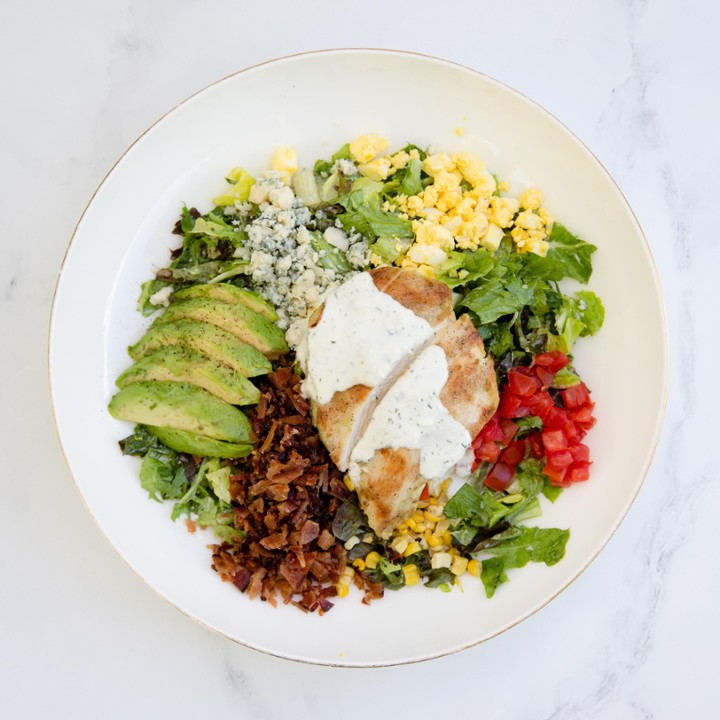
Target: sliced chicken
(390, 483)
(436, 379)
(341, 420)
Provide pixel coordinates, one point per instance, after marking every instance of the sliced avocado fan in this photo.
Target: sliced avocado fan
(193, 444)
(185, 365)
(228, 294)
(208, 339)
(181, 406)
(247, 325)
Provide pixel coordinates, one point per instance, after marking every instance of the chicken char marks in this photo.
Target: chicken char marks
(390, 483)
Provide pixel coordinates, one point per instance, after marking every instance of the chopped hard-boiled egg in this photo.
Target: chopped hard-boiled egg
(285, 162)
(367, 147)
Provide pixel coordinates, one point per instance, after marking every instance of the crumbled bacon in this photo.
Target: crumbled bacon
(285, 495)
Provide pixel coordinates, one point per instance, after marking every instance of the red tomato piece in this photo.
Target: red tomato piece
(509, 430)
(535, 446)
(522, 382)
(582, 414)
(553, 361)
(425, 494)
(500, 477)
(554, 440)
(514, 453)
(491, 431)
(511, 406)
(544, 376)
(489, 451)
(559, 460)
(571, 430)
(557, 477)
(580, 453)
(574, 397)
(555, 418)
(578, 472)
(540, 404)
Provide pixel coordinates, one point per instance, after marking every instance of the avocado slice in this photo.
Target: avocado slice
(243, 323)
(185, 365)
(229, 294)
(181, 406)
(187, 442)
(208, 339)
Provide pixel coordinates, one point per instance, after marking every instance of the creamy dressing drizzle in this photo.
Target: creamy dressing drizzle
(362, 335)
(411, 415)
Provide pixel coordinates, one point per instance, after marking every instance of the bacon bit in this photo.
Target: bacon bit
(190, 525)
(326, 540)
(267, 442)
(285, 496)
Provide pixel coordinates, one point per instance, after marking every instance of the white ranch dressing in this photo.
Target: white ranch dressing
(411, 415)
(361, 337)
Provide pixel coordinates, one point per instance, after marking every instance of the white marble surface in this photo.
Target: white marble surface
(635, 637)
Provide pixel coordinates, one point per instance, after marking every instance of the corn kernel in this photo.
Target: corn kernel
(360, 564)
(412, 524)
(412, 548)
(349, 484)
(412, 576)
(429, 517)
(402, 528)
(432, 540)
(447, 538)
(459, 565)
(342, 590)
(371, 560)
(473, 568)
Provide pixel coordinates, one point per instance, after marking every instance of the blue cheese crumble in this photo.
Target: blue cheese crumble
(282, 263)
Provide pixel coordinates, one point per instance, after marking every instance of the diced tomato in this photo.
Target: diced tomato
(540, 404)
(511, 406)
(571, 430)
(514, 453)
(425, 494)
(554, 440)
(534, 443)
(488, 451)
(509, 430)
(580, 453)
(544, 376)
(555, 418)
(522, 382)
(576, 396)
(582, 414)
(559, 460)
(491, 431)
(500, 477)
(553, 361)
(557, 477)
(578, 472)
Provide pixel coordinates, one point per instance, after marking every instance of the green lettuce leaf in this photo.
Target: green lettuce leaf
(567, 256)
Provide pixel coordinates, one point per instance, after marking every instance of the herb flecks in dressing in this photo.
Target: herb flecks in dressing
(412, 416)
(361, 337)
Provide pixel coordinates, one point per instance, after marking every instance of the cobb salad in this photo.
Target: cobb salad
(226, 387)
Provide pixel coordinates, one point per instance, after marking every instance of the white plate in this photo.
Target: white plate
(317, 102)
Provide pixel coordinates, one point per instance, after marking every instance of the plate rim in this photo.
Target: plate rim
(657, 282)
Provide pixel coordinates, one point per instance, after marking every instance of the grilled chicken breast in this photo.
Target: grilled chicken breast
(390, 484)
(341, 420)
(389, 480)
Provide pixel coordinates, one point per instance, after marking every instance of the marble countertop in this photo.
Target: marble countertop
(636, 636)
